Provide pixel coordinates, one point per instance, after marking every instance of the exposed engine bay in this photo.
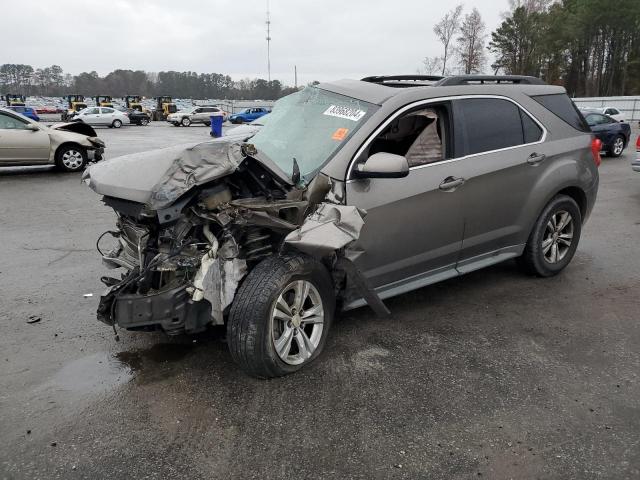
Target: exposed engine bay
(186, 249)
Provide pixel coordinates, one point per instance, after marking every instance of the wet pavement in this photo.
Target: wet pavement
(493, 374)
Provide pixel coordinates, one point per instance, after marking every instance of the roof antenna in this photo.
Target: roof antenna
(295, 176)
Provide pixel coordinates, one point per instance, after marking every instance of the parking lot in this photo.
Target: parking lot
(493, 374)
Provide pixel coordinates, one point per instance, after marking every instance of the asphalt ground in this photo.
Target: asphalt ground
(491, 375)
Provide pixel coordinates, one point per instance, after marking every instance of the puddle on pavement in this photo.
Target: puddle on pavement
(95, 373)
(159, 353)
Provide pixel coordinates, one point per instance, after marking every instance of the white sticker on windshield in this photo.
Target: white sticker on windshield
(345, 112)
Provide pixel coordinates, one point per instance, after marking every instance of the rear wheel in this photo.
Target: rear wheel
(71, 158)
(280, 317)
(617, 147)
(116, 123)
(186, 122)
(554, 238)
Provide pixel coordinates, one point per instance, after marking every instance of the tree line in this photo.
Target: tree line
(591, 47)
(52, 81)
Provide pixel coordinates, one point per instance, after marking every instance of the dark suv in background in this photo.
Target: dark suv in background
(353, 192)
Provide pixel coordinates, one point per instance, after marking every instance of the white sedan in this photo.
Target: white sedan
(102, 116)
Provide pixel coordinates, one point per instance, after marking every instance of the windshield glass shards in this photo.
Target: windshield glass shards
(310, 126)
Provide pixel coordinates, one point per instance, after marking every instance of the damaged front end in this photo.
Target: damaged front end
(187, 248)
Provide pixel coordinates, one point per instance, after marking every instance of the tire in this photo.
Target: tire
(186, 121)
(116, 123)
(144, 122)
(547, 253)
(175, 124)
(208, 124)
(617, 147)
(255, 324)
(239, 120)
(71, 158)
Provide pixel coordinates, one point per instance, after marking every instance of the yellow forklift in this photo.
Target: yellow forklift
(15, 100)
(164, 107)
(76, 103)
(103, 101)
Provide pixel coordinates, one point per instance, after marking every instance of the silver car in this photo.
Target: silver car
(353, 192)
(105, 116)
(200, 115)
(69, 146)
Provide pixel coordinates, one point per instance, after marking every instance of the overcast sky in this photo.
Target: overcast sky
(326, 39)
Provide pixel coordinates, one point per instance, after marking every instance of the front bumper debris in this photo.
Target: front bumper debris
(172, 311)
(96, 154)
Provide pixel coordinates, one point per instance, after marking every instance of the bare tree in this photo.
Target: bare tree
(445, 30)
(531, 5)
(471, 43)
(431, 66)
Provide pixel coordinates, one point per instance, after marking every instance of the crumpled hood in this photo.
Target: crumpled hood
(75, 127)
(159, 177)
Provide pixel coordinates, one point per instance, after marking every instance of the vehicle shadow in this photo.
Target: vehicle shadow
(28, 170)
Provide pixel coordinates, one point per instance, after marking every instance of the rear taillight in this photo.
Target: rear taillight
(638, 144)
(596, 147)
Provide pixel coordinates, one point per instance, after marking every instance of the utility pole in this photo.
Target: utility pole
(295, 75)
(268, 42)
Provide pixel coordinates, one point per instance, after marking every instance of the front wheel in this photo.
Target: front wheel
(144, 122)
(71, 158)
(116, 123)
(554, 238)
(280, 317)
(618, 146)
(186, 122)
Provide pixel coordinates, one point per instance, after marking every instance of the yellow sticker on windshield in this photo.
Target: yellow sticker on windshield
(340, 134)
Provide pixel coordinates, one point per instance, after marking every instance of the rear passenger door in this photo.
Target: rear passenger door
(503, 157)
(108, 115)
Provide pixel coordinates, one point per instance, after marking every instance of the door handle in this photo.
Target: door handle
(535, 159)
(449, 184)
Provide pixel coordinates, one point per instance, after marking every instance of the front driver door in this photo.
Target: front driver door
(414, 225)
(18, 145)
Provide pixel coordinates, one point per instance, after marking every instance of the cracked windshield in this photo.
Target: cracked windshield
(310, 126)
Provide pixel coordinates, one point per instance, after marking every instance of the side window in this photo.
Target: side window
(490, 124)
(93, 111)
(108, 110)
(562, 106)
(532, 131)
(420, 135)
(8, 122)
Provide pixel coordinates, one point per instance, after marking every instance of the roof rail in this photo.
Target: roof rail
(484, 79)
(402, 78)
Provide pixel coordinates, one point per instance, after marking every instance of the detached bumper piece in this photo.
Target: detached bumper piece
(172, 311)
(96, 154)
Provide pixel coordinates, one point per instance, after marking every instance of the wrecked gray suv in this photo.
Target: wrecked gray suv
(353, 192)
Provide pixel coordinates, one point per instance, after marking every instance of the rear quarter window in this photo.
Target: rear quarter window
(562, 106)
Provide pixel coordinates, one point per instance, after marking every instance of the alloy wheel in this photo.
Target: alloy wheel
(558, 237)
(297, 322)
(618, 146)
(72, 159)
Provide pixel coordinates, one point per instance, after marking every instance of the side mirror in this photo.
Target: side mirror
(32, 127)
(383, 165)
